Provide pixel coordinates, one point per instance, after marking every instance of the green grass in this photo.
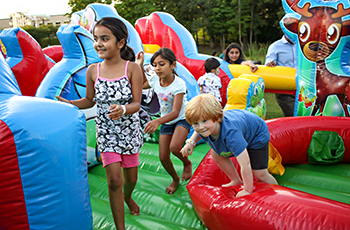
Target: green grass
(272, 108)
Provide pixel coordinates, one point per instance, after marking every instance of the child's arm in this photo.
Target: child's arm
(145, 84)
(271, 57)
(140, 57)
(187, 150)
(87, 101)
(153, 125)
(136, 89)
(246, 173)
(252, 66)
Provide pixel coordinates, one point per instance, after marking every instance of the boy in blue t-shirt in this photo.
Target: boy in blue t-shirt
(235, 133)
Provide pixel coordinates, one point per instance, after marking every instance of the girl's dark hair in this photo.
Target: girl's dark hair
(211, 63)
(128, 54)
(165, 53)
(117, 27)
(230, 47)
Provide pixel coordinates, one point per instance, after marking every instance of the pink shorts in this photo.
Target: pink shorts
(126, 161)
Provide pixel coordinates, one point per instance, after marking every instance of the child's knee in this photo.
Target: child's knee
(115, 183)
(130, 181)
(175, 148)
(261, 174)
(164, 158)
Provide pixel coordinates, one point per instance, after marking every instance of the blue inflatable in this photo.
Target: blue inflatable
(42, 161)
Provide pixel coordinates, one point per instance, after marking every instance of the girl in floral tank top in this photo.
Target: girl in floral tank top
(115, 86)
(122, 135)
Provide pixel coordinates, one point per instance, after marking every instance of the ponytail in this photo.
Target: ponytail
(127, 53)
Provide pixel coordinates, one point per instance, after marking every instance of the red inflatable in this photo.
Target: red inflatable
(26, 59)
(162, 29)
(272, 206)
(54, 52)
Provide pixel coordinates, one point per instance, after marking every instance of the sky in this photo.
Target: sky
(48, 7)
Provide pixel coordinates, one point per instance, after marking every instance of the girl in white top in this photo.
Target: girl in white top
(171, 92)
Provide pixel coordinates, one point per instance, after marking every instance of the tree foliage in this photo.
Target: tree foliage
(220, 22)
(133, 10)
(45, 35)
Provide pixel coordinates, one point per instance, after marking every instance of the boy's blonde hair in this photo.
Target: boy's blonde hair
(204, 107)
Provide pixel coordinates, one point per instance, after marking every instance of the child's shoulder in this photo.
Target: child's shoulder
(93, 65)
(179, 80)
(92, 68)
(133, 65)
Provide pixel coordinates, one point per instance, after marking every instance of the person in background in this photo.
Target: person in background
(215, 53)
(283, 53)
(234, 55)
(210, 82)
(222, 55)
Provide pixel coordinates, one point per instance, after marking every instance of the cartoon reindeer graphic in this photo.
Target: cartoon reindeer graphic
(319, 31)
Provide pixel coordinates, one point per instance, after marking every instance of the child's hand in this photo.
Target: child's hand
(115, 112)
(271, 64)
(140, 57)
(187, 150)
(253, 67)
(151, 126)
(62, 99)
(242, 193)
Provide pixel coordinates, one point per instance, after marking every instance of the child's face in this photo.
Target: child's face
(233, 55)
(207, 127)
(162, 67)
(105, 43)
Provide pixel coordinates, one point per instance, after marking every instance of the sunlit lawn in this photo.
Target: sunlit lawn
(273, 110)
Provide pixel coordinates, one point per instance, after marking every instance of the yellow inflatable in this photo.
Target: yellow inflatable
(151, 48)
(247, 92)
(275, 78)
(3, 49)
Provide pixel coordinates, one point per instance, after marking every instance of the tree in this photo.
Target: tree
(131, 10)
(45, 35)
(266, 20)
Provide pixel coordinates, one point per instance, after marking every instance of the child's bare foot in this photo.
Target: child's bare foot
(133, 207)
(173, 186)
(232, 183)
(187, 173)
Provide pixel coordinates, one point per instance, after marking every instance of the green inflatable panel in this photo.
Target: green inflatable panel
(328, 181)
(159, 210)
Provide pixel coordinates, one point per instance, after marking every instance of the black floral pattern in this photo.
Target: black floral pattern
(124, 135)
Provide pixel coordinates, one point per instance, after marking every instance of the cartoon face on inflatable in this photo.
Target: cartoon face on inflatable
(321, 30)
(247, 92)
(88, 19)
(257, 101)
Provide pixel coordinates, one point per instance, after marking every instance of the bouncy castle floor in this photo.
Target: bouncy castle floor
(159, 210)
